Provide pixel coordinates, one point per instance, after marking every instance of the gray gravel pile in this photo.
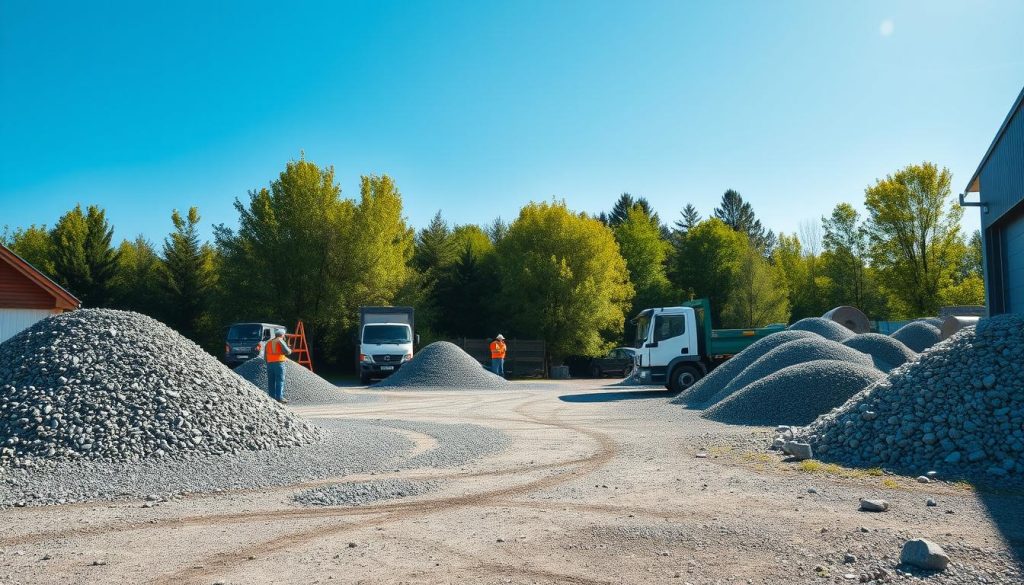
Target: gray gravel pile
(958, 409)
(826, 328)
(443, 366)
(713, 383)
(934, 321)
(118, 386)
(886, 351)
(790, 354)
(795, 395)
(361, 493)
(918, 336)
(301, 385)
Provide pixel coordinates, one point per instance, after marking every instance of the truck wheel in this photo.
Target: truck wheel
(683, 377)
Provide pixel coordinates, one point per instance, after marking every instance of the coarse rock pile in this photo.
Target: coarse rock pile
(789, 354)
(957, 409)
(119, 386)
(886, 351)
(301, 385)
(918, 335)
(719, 378)
(443, 366)
(824, 327)
(794, 395)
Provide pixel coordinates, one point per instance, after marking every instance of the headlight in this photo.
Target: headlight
(407, 357)
(365, 358)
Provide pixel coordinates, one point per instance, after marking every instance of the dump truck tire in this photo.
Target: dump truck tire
(682, 377)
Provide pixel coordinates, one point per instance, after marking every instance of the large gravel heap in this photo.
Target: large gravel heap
(443, 366)
(301, 386)
(918, 335)
(958, 409)
(118, 386)
(719, 378)
(794, 395)
(887, 352)
(824, 327)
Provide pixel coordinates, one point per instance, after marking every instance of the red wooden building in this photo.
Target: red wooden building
(27, 295)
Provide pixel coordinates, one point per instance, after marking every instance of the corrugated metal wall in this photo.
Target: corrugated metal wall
(1002, 178)
(13, 321)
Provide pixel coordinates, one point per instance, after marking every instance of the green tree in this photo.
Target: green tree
(845, 259)
(466, 293)
(188, 276)
(796, 265)
(137, 284)
(624, 204)
(739, 215)
(707, 260)
(759, 295)
(690, 218)
(384, 243)
(914, 234)
(34, 245)
(84, 262)
(563, 280)
(435, 247)
(645, 251)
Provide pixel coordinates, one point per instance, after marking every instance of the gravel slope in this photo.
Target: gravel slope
(824, 327)
(443, 366)
(886, 351)
(918, 336)
(301, 386)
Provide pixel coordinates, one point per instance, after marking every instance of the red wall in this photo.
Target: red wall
(18, 292)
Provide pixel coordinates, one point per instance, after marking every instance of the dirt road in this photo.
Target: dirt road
(598, 485)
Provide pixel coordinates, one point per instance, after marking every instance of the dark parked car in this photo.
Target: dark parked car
(619, 361)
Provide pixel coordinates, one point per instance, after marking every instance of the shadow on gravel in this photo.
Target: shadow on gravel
(1007, 512)
(617, 396)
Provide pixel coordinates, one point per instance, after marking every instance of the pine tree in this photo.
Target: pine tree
(739, 215)
(690, 218)
(188, 275)
(84, 262)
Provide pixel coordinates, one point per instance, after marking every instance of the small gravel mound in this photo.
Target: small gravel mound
(301, 386)
(362, 493)
(713, 383)
(958, 409)
(918, 336)
(795, 395)
(934, 321)
(789, 354)
(109, 385)
(886, 351)
(443, 366)
(826, 328)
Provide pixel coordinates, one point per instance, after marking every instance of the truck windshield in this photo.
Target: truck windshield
(245, 332)
(379, 334)
(643, 325)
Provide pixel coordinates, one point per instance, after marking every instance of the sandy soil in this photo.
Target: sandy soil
(601, 484)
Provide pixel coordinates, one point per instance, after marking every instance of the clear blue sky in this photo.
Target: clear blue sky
(476, 108)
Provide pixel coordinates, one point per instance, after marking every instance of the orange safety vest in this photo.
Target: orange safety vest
(497, 350)
(274, 353)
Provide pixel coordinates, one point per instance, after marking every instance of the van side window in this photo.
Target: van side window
(669, 326)
(266, 334)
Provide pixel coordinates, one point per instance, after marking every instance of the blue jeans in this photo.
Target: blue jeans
(498, 366)
(275, 380)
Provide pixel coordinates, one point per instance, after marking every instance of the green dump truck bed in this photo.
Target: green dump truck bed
(726, 342)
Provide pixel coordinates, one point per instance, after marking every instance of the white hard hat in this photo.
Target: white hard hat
(279, 331)
(500, 336)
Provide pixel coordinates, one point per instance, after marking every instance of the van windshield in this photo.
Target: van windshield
(245, 332)
(380, 334)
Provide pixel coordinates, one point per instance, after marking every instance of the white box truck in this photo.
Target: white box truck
(386, 336)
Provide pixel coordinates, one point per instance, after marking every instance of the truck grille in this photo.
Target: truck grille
(387, 358)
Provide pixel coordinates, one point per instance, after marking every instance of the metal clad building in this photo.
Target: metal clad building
(999, 183)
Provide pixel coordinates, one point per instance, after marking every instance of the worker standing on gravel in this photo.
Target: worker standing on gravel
(498, 355)
(276, 355)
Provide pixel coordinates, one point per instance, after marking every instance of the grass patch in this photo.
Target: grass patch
(818, 467)
(890, 483)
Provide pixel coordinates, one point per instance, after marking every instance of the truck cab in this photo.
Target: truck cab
(385, 341)
(667, 343)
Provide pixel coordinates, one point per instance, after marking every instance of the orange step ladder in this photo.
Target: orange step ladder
(300, 349)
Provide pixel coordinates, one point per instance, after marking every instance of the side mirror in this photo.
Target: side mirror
(417, 339)
(652, 344)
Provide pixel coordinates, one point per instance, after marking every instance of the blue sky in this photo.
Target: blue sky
(476, 108)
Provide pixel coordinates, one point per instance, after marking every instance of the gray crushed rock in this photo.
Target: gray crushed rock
(826, 328)
(361, 493)
(106, 385)
(795, 395)
(789, 354)
(710, 385)
(887, 352)
(302, 387)
(443, 366)
(957, 409)
(918, 335)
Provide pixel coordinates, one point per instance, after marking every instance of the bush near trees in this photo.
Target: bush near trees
(301, 250)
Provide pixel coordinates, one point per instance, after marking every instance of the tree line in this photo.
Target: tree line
(301, 250)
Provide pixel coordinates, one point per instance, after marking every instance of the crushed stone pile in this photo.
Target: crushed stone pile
(887, 352)
(794, 395)
(789, 354)
(957, 409)
(826, 328)
(443, 366)
(918, 336)
(301, 386)
(714, 382)
(934, 321)
(110, 385)
(361, 493)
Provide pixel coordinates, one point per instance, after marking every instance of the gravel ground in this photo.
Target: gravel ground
(443, 366)
(301, 386)
(795, 395)
(790, 354)
(119, 386)
(719, 378)
(826, 328)
(918, 336)
(887, 352)
(361, 493)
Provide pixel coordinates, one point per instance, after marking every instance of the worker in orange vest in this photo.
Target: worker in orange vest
(276, 355)
(498, 355)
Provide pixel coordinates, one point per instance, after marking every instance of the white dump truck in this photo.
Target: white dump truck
(386, 336)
